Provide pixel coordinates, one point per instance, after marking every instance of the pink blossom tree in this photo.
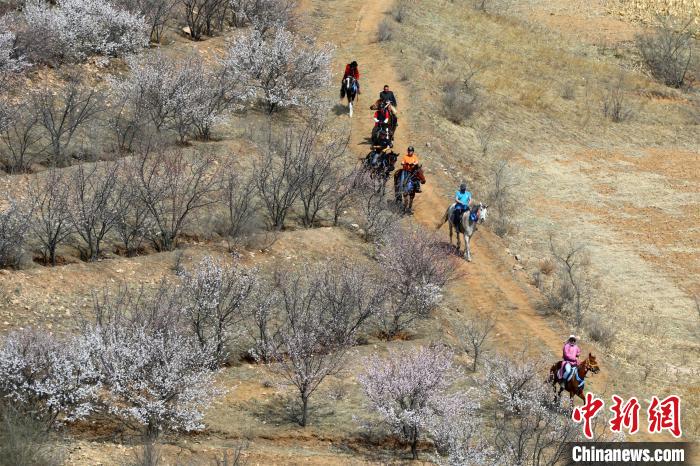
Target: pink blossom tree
(409, 389)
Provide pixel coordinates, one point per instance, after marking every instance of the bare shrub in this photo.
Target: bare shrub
(345, 182)
(385, 31)
(91, 205)
(232, 457)
(573, 288)
(417, 268)
(600, 330)
(215, 297)
(133, 220)
(148, 454)
(547, 266)
(23, 441)
(474, 336)
(281, 71)
(615, 106)
(61, 113)
(264, 15)
(408, 389)
(668, 50)
(400, 11)
(460, 99)
(50, 221)
(173, 186)
(19, 136)
(568, 91)
(13, 231)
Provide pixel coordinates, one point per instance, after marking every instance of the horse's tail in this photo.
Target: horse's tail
(444, 219)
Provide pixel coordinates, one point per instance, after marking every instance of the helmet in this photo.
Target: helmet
(411, 149)
(572, 337)
(463, 187)
(353, 64)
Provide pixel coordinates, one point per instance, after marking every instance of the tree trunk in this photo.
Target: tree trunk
(304, 409)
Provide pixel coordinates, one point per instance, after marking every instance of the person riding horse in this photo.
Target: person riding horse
(382, 133)
(351, 69)
(387, 95)
(409, 163)
(570, 354)
(463, 200)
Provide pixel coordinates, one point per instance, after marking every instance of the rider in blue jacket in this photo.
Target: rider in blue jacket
(463, 199)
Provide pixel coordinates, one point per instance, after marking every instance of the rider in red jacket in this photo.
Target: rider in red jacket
(351, 69)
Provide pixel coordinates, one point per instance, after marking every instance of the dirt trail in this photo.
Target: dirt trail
(488, 283)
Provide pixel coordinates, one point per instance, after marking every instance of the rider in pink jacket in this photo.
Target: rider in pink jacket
(570, 354)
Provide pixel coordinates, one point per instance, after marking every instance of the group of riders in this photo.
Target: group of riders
(382, 160)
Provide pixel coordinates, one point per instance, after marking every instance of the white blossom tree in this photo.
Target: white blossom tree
(77, 29)
(51, 380)
(215, 297)
(409, 389)
(13, 232)
(282, 70)
(263, 15)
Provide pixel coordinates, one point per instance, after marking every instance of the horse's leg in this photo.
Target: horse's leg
(350, 107)
(450, 223)
(467, 248)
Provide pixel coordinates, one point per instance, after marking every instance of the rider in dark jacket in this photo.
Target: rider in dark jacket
(387, 95)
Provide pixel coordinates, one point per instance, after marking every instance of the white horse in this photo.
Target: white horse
(466, 226)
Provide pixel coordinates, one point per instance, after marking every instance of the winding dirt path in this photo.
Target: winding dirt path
(489, 283)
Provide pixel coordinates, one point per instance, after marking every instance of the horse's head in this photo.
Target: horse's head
(483, 212)
(418, 172)
(592, 364)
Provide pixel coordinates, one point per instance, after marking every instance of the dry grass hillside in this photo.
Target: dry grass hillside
(510, 99)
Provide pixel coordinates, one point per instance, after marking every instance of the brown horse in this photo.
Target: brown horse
(573, 386)
(406, 184)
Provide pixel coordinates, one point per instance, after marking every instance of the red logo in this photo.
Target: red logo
(665, 415)
(625, 416)
(586, 413)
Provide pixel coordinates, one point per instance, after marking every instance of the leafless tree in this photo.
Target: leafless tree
(50, 222)
(203, 16)
(92, 207)
(156, 12)
(474, 336)
(574, 285)
(240, 201)
(668, 51)
(345, 187)
(265, 313)
(19, 136)
(134, 221)
(172, 185)
(61, 113)
(318, 167)
(311, 339)
(277, 179)
(13, 231)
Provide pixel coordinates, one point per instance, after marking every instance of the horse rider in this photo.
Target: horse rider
(387, 95)
(409, 162)
(570, 355)
(463, 200)
(351, 69)
(382, 115)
